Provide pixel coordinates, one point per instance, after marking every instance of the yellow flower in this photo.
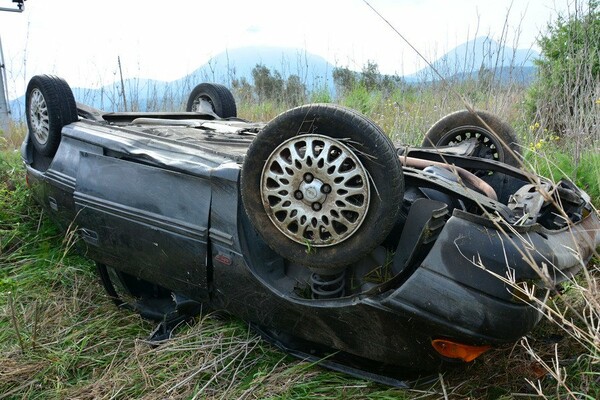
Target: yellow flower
(598, 101)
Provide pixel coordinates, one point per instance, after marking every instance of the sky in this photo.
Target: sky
(81, 40)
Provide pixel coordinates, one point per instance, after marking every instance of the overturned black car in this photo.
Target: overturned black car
(384, 261)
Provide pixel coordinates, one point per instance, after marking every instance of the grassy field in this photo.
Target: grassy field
(62, 337)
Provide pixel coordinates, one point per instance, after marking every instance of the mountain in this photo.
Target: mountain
(478, 56)
(469, 60)
(314, 72)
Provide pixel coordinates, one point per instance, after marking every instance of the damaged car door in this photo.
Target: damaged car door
(149, 221)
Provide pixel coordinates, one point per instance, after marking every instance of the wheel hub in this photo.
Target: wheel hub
(312, 192)
(203, 104)
(315, 190)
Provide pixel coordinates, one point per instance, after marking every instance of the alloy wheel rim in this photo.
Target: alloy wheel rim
(38, 117)
(315, 190)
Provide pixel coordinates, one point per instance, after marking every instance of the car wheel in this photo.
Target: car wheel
(126, 291)
(497, 141)
(50, 105)
(322, 185)
(213, 97)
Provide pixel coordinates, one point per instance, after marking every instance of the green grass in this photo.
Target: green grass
(61, 337)
(555, 160)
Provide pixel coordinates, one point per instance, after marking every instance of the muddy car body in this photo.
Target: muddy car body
(387, 261)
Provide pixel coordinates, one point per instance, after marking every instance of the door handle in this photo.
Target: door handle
(53, 204)
(89, 236)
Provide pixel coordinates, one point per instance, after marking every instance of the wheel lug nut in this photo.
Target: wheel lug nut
(326, 189)
(298, 195)
(316, 206)
(308, 178)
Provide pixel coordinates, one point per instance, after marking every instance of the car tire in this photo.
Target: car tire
(498, 140)
(50, 105)
(217, 96)
(351, 171)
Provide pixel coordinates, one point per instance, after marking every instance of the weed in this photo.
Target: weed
(309, 248)
(61, 337)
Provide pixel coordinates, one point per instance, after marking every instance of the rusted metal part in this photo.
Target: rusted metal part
(157, 199)
(468, 177)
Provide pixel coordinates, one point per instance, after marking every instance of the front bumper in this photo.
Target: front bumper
(469, 285)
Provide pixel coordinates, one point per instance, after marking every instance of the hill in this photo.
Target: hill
(478, 56)
(314, 71)
(141, 94)
(469, 60)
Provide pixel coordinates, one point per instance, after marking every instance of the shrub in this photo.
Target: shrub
(566, 95)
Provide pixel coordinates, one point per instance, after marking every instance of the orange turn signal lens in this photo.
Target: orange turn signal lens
(464, 352)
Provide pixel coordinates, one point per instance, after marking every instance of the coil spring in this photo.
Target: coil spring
(327, 286)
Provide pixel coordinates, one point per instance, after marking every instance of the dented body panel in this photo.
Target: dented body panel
(156, 197)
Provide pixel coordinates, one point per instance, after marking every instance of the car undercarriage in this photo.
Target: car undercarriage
(382, 260)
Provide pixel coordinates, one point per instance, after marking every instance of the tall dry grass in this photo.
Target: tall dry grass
(62, 338)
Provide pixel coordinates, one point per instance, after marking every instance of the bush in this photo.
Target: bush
(565, 98)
